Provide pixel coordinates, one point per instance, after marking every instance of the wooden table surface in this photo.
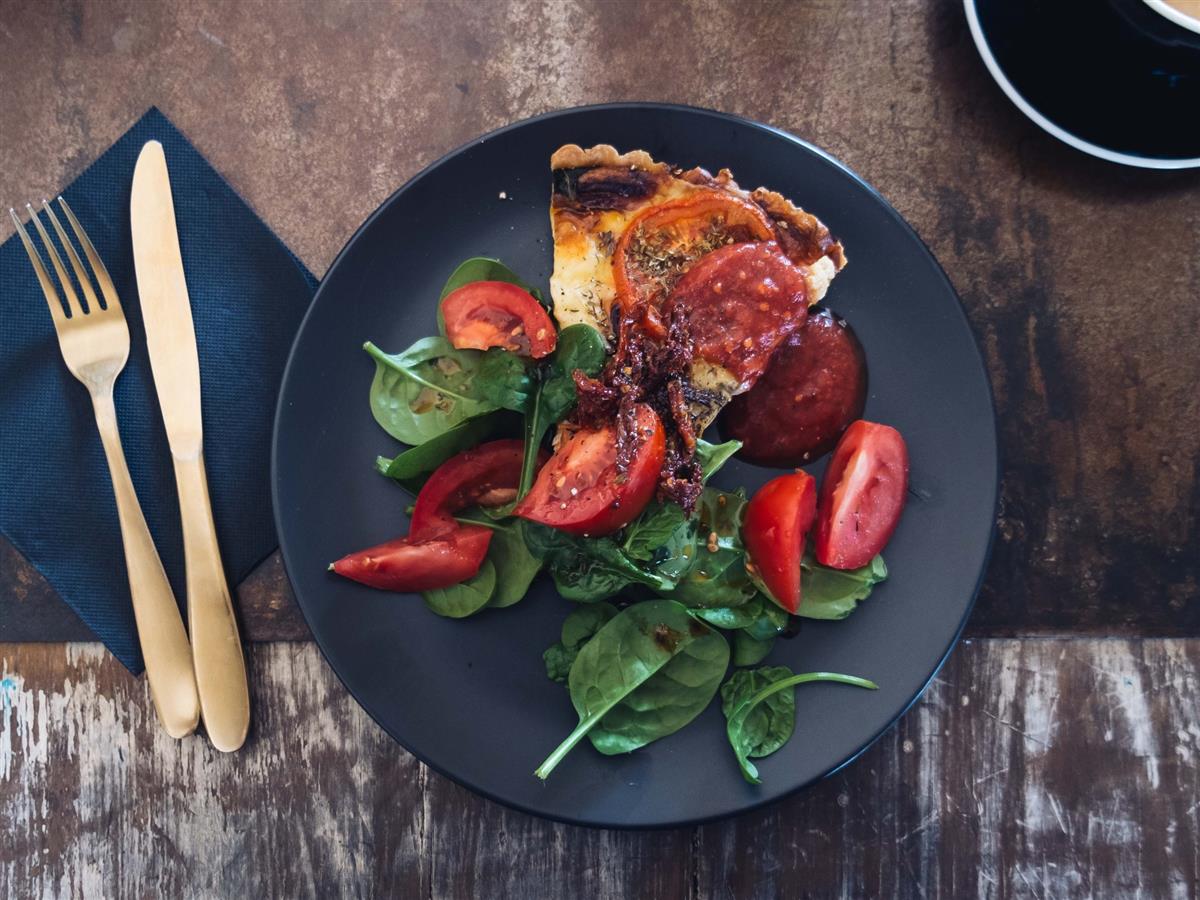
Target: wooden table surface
(1055, 756)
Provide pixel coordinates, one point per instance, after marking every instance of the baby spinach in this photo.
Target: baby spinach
(461, 600)
(663, 538)
(713, 456)
(426, 390)
(480, 268)
(750, 651)
(412, 467)
(577, 630)
(718, 577)
(505, 379)
(588, 569)
(760, 710)
(834, 593)
(647, 673)
(731, 618)
(515, 566)
(579, 347)
(771, 621)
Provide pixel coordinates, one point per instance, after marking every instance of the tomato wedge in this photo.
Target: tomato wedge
(488, 473)
(862, 495)
(580, 490)
(439, 551)
(408, 565)
(778, 519)
(664, 240)
(486, 314)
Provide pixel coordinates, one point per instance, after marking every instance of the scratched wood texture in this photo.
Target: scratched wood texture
(1041, 768)
(1080, 277)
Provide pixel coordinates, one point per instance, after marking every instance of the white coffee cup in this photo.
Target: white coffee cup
(1185, 13)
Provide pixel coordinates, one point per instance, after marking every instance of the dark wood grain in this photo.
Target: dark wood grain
(1057, 768)
(1080, 277)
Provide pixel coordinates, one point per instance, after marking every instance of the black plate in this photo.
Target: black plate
(1113, 78)
(470, 698)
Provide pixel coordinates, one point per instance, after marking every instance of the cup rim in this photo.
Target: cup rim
(1176, 15)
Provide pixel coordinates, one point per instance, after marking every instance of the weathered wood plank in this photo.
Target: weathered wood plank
(1037, 768)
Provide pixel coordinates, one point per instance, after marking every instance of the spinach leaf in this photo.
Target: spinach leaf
(412, 467)
(461, 600)
(833, 593)
(579, 347)
(505, 379)
(647, 673)
(577, 630)
(426, 390)
(713, 456)
(771, 621)
(515, 566)
(480, 268)
(758, 721)
(750, 651)
(732, 618)
(663, 538)
(718, 577)
(588, 569)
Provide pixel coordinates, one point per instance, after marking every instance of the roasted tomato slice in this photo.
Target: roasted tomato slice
(742, 301)
(409, 565)
(661, 243)
(580, 490)
(862, 495)
(487, 474)
(486, 314)
(778, 519)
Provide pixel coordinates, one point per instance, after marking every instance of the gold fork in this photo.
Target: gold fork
(95, 346)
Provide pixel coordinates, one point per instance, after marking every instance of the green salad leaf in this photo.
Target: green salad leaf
(662, 538)
(465, 599)
(718, 576)
(834, 593)
(515, 566)
(577, 630)
(579, 347)
(505, 379)
(645, 674)
(588, 569)
(713, 456)
(750, 651)
(760, 710)
(412, 467)
(426, 390)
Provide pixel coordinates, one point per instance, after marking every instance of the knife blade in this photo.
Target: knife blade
(175, 363)
(166, 307)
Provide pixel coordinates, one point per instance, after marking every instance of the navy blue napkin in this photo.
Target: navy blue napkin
(248, 295)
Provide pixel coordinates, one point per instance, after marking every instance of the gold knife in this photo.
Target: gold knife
(166, 309)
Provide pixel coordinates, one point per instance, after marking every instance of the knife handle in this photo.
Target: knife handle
(216, 647)
(163, 641)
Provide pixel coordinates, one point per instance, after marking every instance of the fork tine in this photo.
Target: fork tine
(80, 273)
(43, 277)
(64, 280)
(102, 277)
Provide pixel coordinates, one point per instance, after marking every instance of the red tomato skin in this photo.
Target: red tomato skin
(407, 566)
(461, 480)
(778, 519)
(486, 314)
(862, 495)
(606, 504)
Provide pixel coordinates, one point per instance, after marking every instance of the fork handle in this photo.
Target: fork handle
(216, 648)
(164, 643)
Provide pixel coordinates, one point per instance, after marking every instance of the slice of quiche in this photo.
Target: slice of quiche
(634, 233)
